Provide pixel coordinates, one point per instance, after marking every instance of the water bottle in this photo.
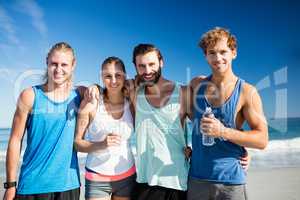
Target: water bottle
(206, 139)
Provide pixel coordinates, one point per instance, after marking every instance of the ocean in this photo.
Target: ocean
(283, 149)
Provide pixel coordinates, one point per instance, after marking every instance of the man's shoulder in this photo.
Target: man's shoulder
(248, 93)
(248, 88)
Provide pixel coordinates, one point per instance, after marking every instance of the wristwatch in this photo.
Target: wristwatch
(9, 184)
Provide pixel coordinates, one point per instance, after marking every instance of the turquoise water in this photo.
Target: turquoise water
(283, 149)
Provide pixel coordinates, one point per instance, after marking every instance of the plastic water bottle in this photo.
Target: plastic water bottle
(206, 139)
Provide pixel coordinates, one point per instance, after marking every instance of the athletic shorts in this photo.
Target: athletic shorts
(121, 188)
(66, 195)
(146, 192)
(214, 191)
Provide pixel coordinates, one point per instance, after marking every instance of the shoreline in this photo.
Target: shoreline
(276, 183)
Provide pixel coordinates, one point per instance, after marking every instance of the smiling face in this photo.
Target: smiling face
(219, 56)
(148, 67)
(60, 68)
(113, 77)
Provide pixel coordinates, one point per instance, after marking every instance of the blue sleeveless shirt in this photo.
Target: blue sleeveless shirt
(218, 163)
(50, 163)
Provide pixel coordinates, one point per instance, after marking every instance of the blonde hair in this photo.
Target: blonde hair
(60, 46)
(216, 34)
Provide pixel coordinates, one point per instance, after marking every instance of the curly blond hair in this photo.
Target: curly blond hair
(216, 34)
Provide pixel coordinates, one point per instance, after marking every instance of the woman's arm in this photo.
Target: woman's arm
(86, 113)
(24, 106)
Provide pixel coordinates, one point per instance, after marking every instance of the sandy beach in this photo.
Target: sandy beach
(274, 184)
(264, 184)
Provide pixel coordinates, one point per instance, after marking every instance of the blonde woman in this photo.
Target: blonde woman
(48, 114)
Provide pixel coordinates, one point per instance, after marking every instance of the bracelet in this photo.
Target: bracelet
(10, 184)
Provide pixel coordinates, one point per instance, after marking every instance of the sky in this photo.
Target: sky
(266, 30)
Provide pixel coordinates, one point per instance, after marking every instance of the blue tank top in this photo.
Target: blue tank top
(50, 163)
(218, 163)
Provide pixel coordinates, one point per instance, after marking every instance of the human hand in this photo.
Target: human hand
(112, 139)
(187, 152)
(91, 94)
(245, 161)
(10, 193)
(212, 126)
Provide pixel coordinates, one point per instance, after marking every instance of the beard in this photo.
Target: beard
(152, 82)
